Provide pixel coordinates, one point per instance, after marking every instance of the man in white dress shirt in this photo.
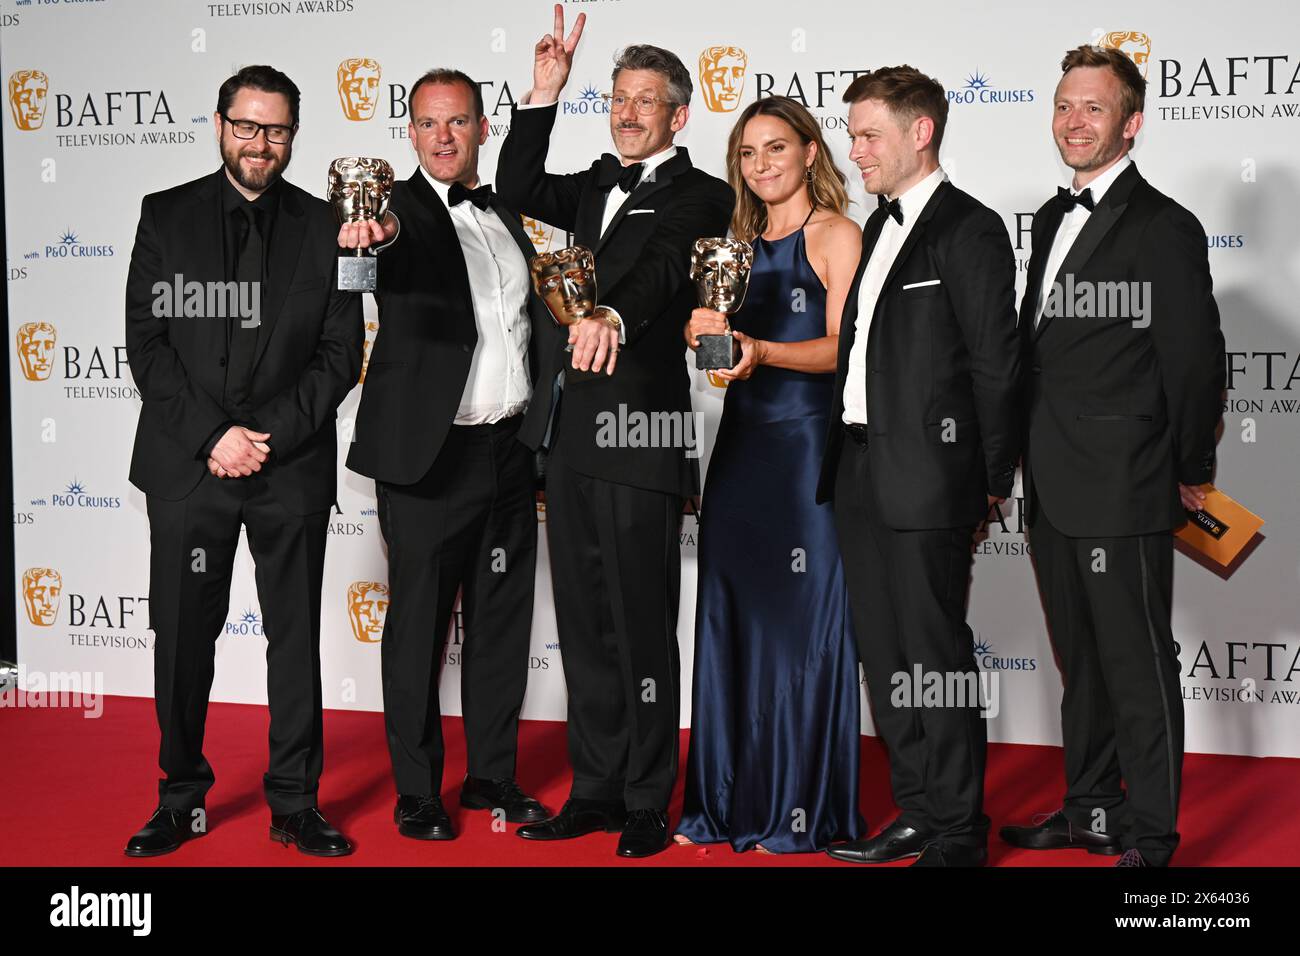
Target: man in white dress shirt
(614, 502)
(924, 440)
(449, 379)
(1121, 409)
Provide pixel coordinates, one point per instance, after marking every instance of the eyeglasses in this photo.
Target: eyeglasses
(644, 104)
(247, 129)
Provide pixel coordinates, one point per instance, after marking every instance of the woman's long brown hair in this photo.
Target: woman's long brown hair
(826, 191)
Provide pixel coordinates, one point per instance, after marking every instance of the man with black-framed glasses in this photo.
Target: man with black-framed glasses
(247, 129)
(239, 390)
(614, 500)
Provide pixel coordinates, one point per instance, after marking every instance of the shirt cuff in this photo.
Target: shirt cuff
(524, 103)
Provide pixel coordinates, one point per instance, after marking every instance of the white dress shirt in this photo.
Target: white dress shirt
(498, 385)
(1072, 224)
(614, 201)
(617, 197)
(891, 239)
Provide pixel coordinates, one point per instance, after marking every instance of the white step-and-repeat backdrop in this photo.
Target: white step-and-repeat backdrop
(110, 99)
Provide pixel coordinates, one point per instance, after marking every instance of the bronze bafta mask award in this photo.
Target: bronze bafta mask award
(359, 190)
(720, 270)
(566, 281)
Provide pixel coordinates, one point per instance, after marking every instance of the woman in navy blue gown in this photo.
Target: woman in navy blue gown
(775, 704)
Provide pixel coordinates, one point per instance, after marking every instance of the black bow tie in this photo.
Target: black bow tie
(1069, 200)
(614, 173)
(892, 207)
(480, 197)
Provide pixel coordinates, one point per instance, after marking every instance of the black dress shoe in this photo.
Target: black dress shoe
(310, 832)
(503, 793)
(942, 853)
(577, 818)
(165, 831)
(895, 842)
(1058, 833)
(644, 834)
(422, 818)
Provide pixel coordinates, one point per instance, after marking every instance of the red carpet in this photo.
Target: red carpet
(76, 789)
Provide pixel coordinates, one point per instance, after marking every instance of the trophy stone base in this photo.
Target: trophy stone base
(717, 351)
(358, 273)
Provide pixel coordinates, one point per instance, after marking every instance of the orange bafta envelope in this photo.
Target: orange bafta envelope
(1221, 528)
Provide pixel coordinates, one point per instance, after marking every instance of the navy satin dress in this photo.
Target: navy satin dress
(775, 702)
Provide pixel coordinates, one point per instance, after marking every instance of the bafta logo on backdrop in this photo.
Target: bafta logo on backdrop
(1134, 45)
(27, 91)
(42, 588)
(372, 327)
(358, 82)
(539, 233)
(367, 609)
(36, 350)
(722, 77)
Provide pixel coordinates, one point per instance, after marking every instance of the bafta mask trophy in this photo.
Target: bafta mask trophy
(566, 281)
(359, 190)
(720, 270)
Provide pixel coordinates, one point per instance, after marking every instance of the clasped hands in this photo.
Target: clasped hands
(239, 453)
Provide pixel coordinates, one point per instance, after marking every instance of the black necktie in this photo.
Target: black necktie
(249, 268)
(614, 173)
(480, 197)
(1069, 200)
(248, 259)
(891, 206)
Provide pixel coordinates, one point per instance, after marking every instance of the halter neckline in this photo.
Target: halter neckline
(795, 232)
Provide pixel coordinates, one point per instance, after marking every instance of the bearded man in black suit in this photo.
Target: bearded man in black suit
(237, 427)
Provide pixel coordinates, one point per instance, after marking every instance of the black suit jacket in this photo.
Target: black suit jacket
(307, 359)
(427, 334)
(1118, 413)
(643, 265)
(943, 368)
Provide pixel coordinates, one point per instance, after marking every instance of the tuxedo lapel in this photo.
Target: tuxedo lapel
(515, 228)
(446, 246)
(658, 179)
(206, 259)
(1052, 215)
(1099, 223)
(914, 236)
(848, 322)
(591, 209)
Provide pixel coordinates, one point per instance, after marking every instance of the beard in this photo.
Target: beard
(255, 180)
(1108, 146)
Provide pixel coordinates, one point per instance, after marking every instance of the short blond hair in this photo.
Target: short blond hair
(1133, 88)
